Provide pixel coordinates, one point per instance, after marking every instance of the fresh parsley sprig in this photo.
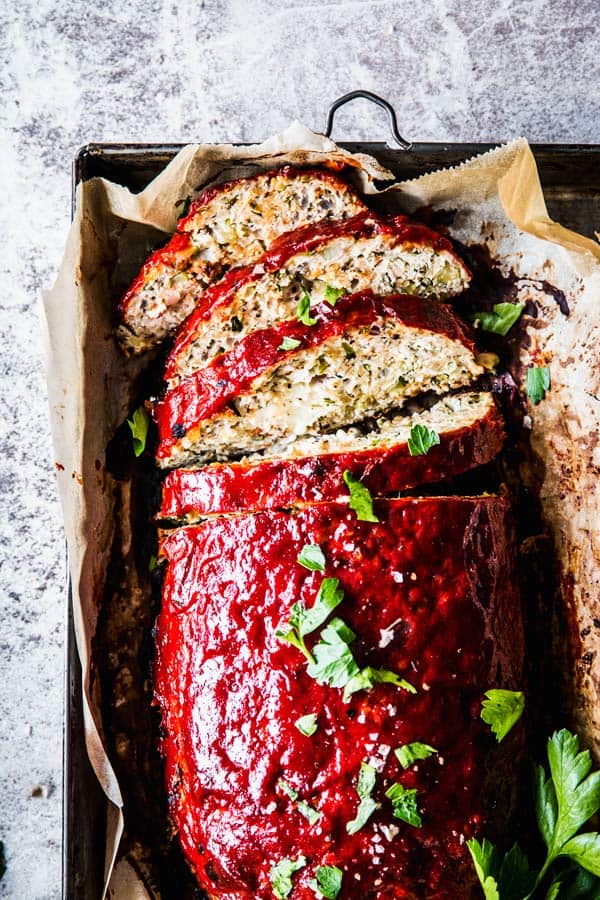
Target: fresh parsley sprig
(138, 425)
(289, 343)
(332, 294)
(501, 710)
(367, 806)
(328, 882)
(565, 800)
(281, 876)
(303, 310)
(360, 498)
(501, 320)
(404, 804)
(537, 383)
(307, 725)
(368, 677)
(304, 621)
(312, 557)
(421, 439)
(409, 754)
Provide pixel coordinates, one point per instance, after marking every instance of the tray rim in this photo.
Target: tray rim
(71, 737)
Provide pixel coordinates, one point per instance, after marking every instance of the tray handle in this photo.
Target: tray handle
(374, 98)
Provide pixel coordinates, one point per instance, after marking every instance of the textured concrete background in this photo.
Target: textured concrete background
(176, 70)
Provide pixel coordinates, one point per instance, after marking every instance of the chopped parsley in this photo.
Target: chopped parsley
(332, 295)
(368, 677)
(421, 439)
(152, 563)
(303, 310)
(289, 343)
(349, 350)
(501, 710)
(281, 876)
(236, 324)
(311, 557)
(328, 882)
(138, 425)
(304, 621)
(564, 802)
(360, 498)
(538, 382)
(311, 815)
(307, 725)
(404, 804)
(501, 320)
(409, 754)
(333, 661)
(367, 806)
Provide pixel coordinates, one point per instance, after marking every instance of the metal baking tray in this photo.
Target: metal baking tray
(570, 177)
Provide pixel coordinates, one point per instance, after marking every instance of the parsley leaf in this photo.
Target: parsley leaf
(311, 815)
(311, 557)
(360, 498)
(501, 320)
(307, 725)
(236, 324)
(404, 803)
(332, 295)
(289, 343)
(502, 710)
(368, 677)
(328, 882)
(333, 662)
(152, 563)
(304, 621)
(367, 806)
(303, 310)
(485, 860)
(138, 425)
(281, 876)
(564, 802)
(538, 382)
(411, 753)
(421, 439)
(349, 350)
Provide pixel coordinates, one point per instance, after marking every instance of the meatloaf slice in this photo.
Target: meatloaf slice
(470, 431)
(228, 225)
(427, 596)
(318, 263)
(361, 358)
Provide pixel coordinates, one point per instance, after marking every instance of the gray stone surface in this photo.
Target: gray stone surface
(176, 70)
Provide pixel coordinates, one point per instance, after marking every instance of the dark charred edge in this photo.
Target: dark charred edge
(123, 651)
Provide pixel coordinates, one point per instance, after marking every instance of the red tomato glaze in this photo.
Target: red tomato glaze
(437, 573)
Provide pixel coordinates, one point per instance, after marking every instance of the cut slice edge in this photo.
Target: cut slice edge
(214, 238)
(469, 427)
(369, 356)
(318, 264)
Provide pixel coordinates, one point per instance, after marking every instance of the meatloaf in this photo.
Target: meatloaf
(363, 356)
(317, 265)
(227, 225)
(280, 753)
(470, 431)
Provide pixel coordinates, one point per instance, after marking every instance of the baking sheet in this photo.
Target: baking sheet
(91, 387)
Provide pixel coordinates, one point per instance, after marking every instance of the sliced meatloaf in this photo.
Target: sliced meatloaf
(361, 358)
(470, 431)
(317, 265)
(267, 743)
(228, 225)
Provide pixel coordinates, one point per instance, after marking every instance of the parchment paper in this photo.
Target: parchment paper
(91, 385)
